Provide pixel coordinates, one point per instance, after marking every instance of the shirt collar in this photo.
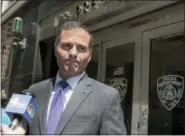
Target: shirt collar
(73, 81)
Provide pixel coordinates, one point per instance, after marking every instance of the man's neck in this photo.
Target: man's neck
(65, 77)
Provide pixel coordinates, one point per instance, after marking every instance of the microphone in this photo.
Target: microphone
(5, 119)
(23, 108)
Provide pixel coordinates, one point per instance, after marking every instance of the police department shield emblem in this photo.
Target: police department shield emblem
(170, 89)
(121, 85)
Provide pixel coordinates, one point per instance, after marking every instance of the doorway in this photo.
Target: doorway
(163, 66)
(118, 67)
(49, 64)
(119, 74)
(137, 67)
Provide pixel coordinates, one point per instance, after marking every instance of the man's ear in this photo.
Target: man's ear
(90, 55)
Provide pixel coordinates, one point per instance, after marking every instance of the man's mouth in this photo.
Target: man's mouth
(73, 62)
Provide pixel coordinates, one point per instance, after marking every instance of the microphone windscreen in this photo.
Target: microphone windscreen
(22, 105)
(5, 119)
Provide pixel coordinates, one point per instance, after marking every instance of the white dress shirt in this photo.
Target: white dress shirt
(68, 90)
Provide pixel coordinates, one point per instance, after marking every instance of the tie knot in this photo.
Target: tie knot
(63, 84)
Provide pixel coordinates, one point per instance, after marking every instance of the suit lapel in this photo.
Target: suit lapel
(82, 90)
(45, 96)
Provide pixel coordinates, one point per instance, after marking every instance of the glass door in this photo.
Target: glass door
(162, 106)
(119, 66)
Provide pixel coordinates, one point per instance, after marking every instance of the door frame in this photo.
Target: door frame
(141, 40)
(147, 36)
(135, 38)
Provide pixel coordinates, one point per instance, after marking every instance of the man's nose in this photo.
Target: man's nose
(73, 51)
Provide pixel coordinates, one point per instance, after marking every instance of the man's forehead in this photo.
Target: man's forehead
(75, 31)
(75, 34)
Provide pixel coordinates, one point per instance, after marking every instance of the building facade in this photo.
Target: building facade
(138, 49)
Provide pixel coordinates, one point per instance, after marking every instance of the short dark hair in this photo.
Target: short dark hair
(70, 26)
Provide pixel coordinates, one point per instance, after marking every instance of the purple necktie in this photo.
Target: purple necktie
(57, 107)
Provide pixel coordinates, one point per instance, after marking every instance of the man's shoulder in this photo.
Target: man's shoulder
(39, 85)
(103, 88)
(102, 85)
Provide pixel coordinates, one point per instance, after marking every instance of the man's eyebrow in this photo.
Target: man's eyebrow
(81, 44)
(74, 43)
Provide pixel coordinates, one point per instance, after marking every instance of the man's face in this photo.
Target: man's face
(73, 52)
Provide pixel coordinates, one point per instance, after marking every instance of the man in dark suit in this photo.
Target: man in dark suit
(72, 102)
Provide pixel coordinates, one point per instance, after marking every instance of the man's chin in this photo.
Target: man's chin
(71, 69)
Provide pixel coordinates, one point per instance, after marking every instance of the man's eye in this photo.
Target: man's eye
(66, 45)
(81, 49)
